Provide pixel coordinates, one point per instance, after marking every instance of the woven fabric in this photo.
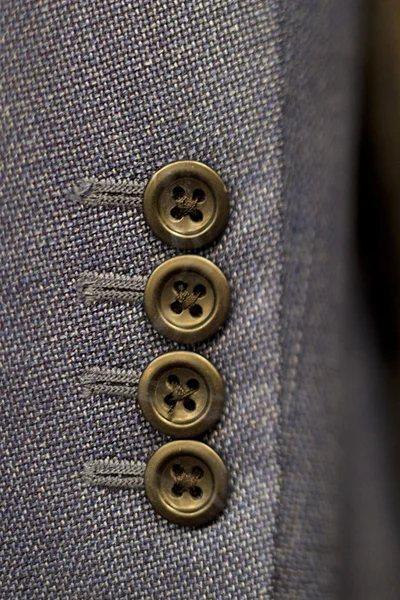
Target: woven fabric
(112, 91)
(115, 90)
(320, 132)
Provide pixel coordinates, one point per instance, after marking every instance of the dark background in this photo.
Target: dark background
(378, 206)
(378, 253)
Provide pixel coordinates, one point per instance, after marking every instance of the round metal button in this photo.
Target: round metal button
(187, 299)
(187, 482)
(186, 204)
(181, 394)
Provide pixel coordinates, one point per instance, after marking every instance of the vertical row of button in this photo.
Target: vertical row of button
(187, 299)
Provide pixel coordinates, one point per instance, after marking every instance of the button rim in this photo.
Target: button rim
(209, 271)
(189, 360)
(162, 178)
(218, 470)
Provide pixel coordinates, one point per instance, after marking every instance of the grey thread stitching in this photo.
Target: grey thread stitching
(185, 482)
(108, 287)
(112, 473)
(185, 204)
(105, 192)
(187, 299)
(116, 382)
(178, 394)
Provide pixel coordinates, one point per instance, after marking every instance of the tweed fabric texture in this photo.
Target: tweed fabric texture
(113, 90)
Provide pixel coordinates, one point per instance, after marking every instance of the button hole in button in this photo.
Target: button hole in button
(189, 404)
(173, 380)
(197, 472)
(196, 311)
(198, 195)
(196, 492)
(176, 213)
(199, 290)
(170, 401)
(178, 192)
(193, 384)
(177, 489)
(180, 286)
(177, 470)
(176, 307)
(196, 216)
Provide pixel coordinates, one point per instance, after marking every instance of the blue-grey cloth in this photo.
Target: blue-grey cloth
(263, 93)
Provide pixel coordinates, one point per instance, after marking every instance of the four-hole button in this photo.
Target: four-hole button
(187, 299)
(186, 204)
(181, 394)
(187, 482)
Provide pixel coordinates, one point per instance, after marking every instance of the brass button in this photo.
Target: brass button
(186, 204)
(181, 394)
(187, 299)
(187, 482)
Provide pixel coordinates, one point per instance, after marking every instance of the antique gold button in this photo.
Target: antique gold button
(187, 482)
(186, 204)
(181, 394)
(187, 299)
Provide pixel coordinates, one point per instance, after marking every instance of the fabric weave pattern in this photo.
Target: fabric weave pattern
(115, 90)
